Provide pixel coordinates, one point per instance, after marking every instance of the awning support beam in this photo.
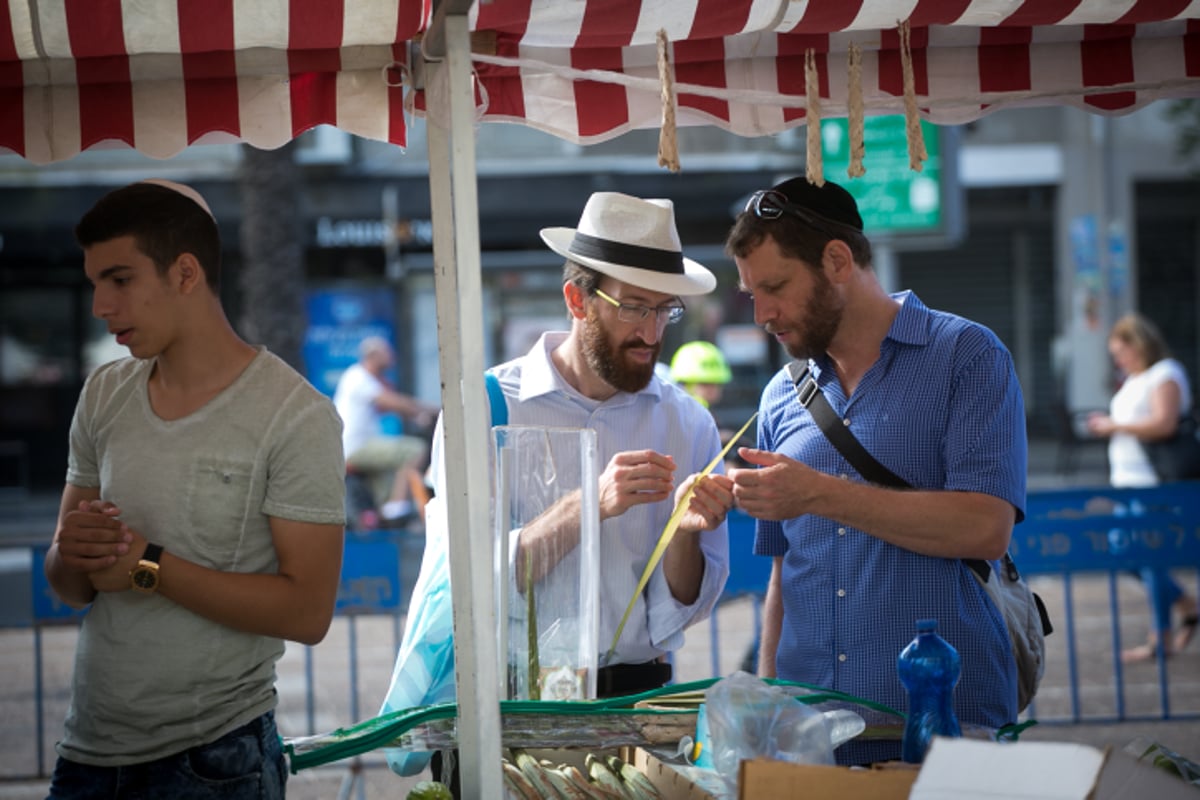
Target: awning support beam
(458, 290)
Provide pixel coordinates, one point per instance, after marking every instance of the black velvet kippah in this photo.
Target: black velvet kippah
(829, 201)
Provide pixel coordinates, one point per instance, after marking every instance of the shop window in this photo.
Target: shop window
(37, 345)
(99, 346)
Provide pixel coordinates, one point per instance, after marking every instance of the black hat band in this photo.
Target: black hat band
(627, 255)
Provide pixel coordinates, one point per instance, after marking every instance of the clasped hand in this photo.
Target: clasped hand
(94, 541)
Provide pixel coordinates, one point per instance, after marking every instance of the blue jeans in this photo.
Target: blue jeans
(1162, 591)
(244, 764)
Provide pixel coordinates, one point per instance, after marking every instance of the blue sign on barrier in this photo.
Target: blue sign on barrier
(1101, 529)
(1071, 530)
(47, 607)
(370, 582)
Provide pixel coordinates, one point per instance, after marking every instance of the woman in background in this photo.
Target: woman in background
(1148, 406)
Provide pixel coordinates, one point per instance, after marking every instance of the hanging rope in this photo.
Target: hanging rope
(668, 145)
(814, 169)
(917, 154)
(854, 112)
(948, 104)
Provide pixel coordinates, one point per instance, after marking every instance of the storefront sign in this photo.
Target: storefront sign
(372, 232)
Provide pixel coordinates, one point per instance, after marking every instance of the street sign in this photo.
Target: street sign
(892, 198)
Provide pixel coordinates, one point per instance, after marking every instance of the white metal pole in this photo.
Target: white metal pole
(458, 288)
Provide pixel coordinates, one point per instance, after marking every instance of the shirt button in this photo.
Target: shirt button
(841, 531)
(845, 477)
(846, 422)
(841, 592)
(841, 656)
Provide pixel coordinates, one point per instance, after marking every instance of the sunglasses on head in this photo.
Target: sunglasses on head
(773, 204)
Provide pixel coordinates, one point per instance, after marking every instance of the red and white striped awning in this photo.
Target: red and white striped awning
(161, 76)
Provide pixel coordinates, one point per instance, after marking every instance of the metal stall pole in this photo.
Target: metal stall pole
(458, 289)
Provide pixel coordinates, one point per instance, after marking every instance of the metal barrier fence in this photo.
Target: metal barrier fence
(1075, 546)
(378, 572)
(1078, 548)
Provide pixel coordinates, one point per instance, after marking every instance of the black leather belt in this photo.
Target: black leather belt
(623, 679)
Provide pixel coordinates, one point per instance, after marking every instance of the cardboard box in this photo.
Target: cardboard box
(966, 768)
(678, 782)
(1049, 770)
(764, 778)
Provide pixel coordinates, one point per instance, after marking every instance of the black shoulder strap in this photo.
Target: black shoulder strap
(812, 398)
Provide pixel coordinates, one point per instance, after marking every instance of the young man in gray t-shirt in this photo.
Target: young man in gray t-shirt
(202, 520)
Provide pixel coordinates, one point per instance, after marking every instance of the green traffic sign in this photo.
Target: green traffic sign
(891, 197)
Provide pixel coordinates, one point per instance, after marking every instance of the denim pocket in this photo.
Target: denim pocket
(245, 764)
(236, 756)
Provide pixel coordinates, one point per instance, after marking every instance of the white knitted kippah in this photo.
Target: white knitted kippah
(186, 191)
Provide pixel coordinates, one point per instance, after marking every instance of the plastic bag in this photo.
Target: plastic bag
(749, 718)
(424, 671)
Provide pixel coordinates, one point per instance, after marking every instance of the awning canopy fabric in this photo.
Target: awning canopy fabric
(159, 77)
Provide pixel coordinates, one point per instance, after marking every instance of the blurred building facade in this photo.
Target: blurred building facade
(1067, 220)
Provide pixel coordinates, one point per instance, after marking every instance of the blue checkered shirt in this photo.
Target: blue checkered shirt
(942, 408)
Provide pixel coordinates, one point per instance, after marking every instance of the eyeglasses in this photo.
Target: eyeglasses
(772, 204)
(628, 312)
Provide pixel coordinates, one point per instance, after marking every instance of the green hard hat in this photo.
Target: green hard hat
(699, 362)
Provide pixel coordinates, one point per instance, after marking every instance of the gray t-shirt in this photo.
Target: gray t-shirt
(152, 678)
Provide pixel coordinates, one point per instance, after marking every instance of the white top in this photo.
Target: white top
(1128, 465)
(354, 400)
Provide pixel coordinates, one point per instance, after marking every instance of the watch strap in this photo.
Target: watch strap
(152, 553)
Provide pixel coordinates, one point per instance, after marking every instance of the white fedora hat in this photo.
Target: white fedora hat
(634, 241)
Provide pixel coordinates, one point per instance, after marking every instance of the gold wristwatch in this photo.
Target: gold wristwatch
(144, 577)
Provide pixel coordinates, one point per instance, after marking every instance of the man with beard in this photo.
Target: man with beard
(935, 399)
(623, 283)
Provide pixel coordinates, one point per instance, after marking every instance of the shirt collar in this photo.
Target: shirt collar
(911, 326)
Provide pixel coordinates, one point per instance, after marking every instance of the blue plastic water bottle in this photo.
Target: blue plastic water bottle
(929, 669)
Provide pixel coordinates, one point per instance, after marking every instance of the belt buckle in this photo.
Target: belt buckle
(807, 391)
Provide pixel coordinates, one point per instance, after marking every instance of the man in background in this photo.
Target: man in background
(391, 464)
(700, 368)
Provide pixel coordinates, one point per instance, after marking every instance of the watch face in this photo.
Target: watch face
(145, 579)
